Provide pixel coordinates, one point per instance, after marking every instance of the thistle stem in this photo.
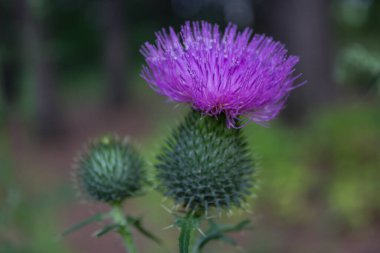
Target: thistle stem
(124, 230)
(189, 224)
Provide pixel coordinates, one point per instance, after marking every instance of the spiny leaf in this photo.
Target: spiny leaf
(73, 228)
(106, 230)
(243, 225)
(219, 231)
(136, 222)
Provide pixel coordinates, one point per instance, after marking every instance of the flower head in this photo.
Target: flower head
(110, 170)
(205, 165)
(233, 73)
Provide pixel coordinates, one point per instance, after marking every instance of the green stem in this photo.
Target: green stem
(124, 231)
(189, 224)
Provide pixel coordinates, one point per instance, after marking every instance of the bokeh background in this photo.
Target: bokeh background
(69, 71)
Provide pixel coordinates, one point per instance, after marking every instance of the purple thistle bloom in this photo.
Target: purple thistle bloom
(231, 72)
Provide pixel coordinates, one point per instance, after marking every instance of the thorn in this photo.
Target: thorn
(176, 207)
(211, 217)
(168, 227)
(167, 209)
(188, 204)
(201, 232)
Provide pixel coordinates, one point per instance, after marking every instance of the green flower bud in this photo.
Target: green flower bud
(204, 164)
(111, 170)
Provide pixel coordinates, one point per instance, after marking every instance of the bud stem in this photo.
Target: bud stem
(124, 231)
(189, 224)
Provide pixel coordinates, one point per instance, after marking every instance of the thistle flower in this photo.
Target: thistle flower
(110, 170)
(231, 73)
(205, 165)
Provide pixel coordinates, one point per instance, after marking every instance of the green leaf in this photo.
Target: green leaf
(219, 231)
(96, 217)
(243, 225)
(136, 222)
(106, 230)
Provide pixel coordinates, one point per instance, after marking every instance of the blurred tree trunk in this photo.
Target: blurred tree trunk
(305, 27)
(39, 62)
(10, 70)
(113, 12)
(10, 53)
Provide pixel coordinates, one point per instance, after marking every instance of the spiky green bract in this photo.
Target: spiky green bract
(111, 170)
(204, 164)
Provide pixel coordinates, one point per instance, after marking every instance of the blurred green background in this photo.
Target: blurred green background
(69, 71)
